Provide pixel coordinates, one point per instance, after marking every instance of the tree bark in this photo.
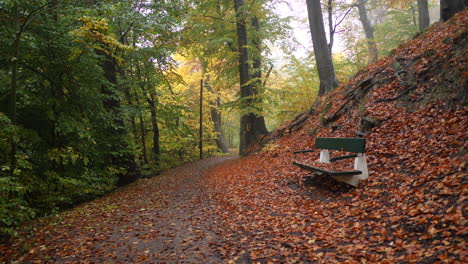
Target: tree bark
(140, 116)
(154, 123)
(216, 117)
(14, 86)
(132, 119)
(249, 121)
(331, 31)
(119, 130)
(214, 109)
(423, 15)
(142, 132)
(369, 31)
(260, 127)
(200, 130)
(143, 139)
(413, 15)
(448, 8)
(126, 160)
(323, 58)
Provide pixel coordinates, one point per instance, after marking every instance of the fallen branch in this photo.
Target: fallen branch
(355, 94)
(410, 84)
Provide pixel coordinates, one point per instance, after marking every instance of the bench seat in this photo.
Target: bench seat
(353, 145)
(330, 173)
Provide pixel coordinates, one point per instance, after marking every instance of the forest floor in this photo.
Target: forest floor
(164, 219)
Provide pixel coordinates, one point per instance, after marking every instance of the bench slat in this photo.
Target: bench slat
(331, 173)
(343, 157)
(356, 145)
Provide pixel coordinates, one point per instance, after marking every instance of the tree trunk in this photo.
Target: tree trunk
(323, 58)
(369, 31)
(423, 15)
(260, 127)
(331, 32)
(140, 116)
(126, 159)
(154, 122)
(413, 15)
(142, 131)
(132, 118)
(200, 130)
(249, 121)
(216, 117)
(448, 8)
(14, 86)
(143, 139)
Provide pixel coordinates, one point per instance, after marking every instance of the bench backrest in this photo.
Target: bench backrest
(356, 145)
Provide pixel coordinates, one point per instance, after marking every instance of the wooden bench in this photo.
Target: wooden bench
(353, 145)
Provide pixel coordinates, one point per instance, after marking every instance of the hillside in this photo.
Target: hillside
(413, 206)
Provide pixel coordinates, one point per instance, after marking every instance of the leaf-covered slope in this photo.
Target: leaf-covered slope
(413, 206)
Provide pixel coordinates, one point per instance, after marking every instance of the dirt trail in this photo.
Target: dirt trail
(165, 219)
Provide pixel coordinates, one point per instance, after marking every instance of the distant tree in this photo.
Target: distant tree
(369, 31)
(340, 11)
(216, 117)
(448, 8)
(322, 53)
(423, 11)
(423, 15)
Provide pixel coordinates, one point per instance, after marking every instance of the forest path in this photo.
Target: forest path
(164, 219)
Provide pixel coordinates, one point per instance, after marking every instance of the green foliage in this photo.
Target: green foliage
(13, 206)
(69, 130)
(295, 93)
(397, 28)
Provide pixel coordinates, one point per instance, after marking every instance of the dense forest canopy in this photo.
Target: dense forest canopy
(98, 93)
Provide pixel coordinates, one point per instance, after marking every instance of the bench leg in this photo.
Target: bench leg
(324, 156)
(351, 180)
(360, 164)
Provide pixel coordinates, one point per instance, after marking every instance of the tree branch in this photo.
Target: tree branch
(40, 9)
(213, 17)
(267, 75)
(346, 14)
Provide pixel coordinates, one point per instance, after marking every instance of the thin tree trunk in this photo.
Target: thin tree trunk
(14, 86)
(154, 122)
(131, 118)
(140, 116)
(128, 95)
(216, 117)
(200, 130)
(214, 109)
(331, 32)
(369, 31)
(142, 131)
(423, 15)
(413, 14)
(143, 139)
(323, 58)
